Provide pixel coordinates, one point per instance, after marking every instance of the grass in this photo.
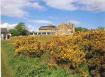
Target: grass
(4, 66)
(6, 69)
(23, 66)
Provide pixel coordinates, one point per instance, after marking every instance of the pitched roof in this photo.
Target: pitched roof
(49, 27)
(4, 30)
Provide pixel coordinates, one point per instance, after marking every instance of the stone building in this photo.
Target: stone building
(5, 34)
(65, 29)
(62, 29)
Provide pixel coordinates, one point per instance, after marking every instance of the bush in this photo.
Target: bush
(76, 50)
(27, 45)
(83, 47)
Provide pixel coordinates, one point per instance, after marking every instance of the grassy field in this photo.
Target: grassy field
(22, 66)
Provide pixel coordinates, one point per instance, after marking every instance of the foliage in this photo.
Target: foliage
(101, 28)
(14, 32)
(27, 45)
(23, 66)
(83, 47)
(74, 51)
(66, 51)
(20, 29)
(80, 29)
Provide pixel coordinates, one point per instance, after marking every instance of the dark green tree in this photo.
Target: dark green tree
(14, 32)
(20, 29)
(81, 29)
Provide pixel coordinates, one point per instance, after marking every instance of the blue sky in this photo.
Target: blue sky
(36, 13)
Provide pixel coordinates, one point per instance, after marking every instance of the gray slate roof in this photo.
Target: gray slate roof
(4, 30)
(50, 27)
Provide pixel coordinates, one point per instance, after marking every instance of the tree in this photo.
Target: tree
(20, 29)
(101, 28)
(80, 29)
(14, 32)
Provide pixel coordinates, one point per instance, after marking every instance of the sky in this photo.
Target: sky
(36, 13)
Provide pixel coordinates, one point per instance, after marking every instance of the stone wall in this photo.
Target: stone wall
(65, 29)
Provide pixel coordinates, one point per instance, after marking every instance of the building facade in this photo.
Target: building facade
(5, 34)
(46, 30)
(62, 29)
(65, 29)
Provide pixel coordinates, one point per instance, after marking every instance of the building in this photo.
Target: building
(5, 34)
(46, 30)
(65, 29)
(62, 29)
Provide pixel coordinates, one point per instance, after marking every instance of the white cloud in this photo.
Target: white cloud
(71, 5)
(17, 8)
(92, 5)
(61, 4)
(35, 24)
(36, 5)
(41, 21)
(7, 25)
(12, 26)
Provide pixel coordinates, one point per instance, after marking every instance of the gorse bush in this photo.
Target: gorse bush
(27, 45)
(75, 50)
(82, 47)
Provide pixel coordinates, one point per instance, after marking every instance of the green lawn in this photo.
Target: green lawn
(22, 66)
